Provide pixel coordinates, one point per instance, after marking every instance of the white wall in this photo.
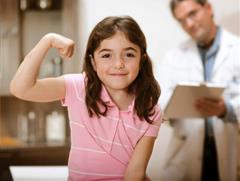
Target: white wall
(161, 30)
(152, 15)
(162, 33)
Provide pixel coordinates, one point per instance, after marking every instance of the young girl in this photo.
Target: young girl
(112, 105)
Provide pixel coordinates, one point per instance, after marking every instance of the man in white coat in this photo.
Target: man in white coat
(203, 149)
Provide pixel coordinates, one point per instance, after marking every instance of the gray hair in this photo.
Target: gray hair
(174, 3)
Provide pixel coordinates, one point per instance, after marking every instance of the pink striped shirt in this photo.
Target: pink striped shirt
(101, 148)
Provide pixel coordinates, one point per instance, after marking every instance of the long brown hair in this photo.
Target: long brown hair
(145, 86)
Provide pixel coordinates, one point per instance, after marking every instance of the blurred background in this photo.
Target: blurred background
(38, 133)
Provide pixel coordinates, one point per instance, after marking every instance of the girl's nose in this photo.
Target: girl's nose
(119, 63)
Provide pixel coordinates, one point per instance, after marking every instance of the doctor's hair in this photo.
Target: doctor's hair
(174, 3)
(144, 87)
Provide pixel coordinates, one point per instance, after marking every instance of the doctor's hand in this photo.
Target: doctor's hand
(211, 107)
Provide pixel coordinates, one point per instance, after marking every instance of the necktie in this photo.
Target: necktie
(210, 162)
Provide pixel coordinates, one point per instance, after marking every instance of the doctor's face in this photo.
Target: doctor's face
(196, 20)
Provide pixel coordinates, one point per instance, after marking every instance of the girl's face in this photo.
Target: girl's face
(116, 62)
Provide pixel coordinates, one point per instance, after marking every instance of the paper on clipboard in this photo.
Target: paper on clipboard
(181, 104)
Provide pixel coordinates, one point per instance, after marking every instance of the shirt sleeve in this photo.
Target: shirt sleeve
(73, 86)
(68, 89)
(153, 128)
(230, 115)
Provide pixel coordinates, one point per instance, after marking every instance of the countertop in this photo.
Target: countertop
(44, 154)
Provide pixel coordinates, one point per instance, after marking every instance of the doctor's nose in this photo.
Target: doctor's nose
(188, 23)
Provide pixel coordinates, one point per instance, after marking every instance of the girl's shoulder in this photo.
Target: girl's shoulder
(79, 77)
(157, 114)
(77, 80)
(75, 86)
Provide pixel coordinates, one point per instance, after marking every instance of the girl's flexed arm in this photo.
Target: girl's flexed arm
(25, 83)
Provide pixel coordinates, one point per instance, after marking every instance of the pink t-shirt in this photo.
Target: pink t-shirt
(101, 148)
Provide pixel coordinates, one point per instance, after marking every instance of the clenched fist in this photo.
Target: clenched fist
(64, 45)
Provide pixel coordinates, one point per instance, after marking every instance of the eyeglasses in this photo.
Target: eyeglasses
(192, 15)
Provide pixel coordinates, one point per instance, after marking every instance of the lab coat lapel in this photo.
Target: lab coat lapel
(194, 57)
(224, 50)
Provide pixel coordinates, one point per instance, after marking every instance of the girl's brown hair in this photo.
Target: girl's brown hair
(145, 86)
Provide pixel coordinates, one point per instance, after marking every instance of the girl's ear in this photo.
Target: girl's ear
(144, 58)
(92, 62)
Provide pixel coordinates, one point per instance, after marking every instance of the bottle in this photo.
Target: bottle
(57, 66)
(55, 127)
(32, 127)
(22, 127)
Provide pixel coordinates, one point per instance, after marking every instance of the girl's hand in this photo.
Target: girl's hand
(64, 45)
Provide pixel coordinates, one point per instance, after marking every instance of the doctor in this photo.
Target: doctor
(203, 149)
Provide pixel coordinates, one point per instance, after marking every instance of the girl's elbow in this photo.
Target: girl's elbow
(12, 88)
(15, 90)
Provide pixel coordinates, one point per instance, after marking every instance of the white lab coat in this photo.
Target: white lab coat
(185, 151)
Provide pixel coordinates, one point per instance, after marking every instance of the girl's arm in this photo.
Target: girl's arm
(138, 164)
(25, 84)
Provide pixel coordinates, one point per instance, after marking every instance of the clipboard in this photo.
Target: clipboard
(181, 103)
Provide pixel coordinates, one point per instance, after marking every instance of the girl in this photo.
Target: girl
(112, 105)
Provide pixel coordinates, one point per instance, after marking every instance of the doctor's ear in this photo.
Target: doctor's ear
(92, 62)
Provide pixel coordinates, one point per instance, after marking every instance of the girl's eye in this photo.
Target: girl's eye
(106, 55)
(130, 55)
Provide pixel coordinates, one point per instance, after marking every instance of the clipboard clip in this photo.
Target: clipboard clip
(204, 84)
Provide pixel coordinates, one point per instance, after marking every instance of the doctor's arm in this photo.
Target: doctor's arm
(26, 85)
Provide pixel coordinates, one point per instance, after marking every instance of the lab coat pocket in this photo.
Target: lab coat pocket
(175, 147)
(174, 169)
